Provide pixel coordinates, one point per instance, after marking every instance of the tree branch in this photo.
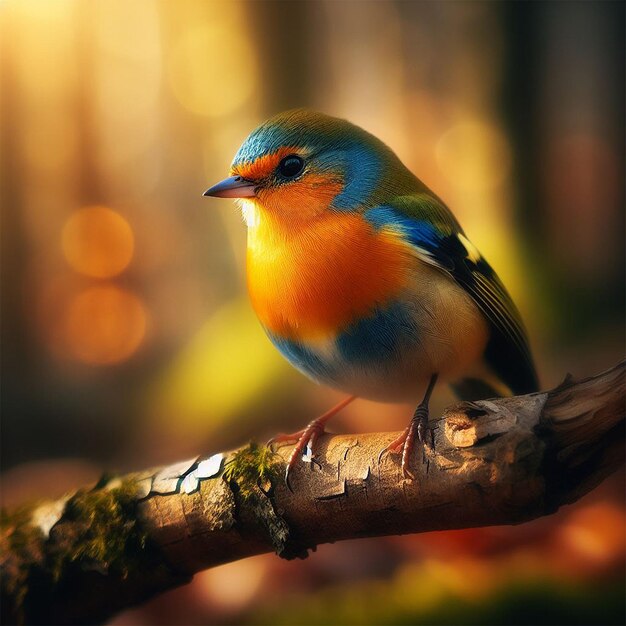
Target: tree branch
(505, 461)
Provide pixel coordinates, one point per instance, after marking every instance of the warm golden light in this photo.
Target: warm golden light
(98, 242)
(210, 382)
(233, 585)
(595, 533)
(104, 325)
(474, 156)
(213, 69)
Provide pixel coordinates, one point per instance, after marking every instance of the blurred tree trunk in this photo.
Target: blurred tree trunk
(564, 106)
(282, 36)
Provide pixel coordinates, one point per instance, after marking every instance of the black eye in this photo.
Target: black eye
(291, 166)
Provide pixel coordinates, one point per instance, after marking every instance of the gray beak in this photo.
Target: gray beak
(232, 187)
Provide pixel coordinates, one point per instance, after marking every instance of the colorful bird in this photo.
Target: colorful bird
(362, 277)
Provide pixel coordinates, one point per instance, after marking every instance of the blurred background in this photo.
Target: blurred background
(127, 337)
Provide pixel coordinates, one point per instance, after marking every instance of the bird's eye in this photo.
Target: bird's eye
(291, 166)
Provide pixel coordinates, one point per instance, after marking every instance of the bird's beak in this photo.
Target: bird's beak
(232, 187)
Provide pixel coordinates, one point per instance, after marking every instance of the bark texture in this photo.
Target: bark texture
(504, 461)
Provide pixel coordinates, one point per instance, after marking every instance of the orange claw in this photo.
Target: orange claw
(417, 429)
(306, 438)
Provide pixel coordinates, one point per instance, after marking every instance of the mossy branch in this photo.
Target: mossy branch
(85, 557)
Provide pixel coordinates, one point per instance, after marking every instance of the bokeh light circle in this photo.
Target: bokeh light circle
(97, 242)
(104, 325)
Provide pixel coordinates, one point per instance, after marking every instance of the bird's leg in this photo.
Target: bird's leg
(307, 437)
(417, 428)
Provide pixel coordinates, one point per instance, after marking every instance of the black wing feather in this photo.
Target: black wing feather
(507, 351)
(438, 238)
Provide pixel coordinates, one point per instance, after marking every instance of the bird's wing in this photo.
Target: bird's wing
(439, 240)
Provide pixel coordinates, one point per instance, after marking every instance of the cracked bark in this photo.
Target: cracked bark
(500, 461)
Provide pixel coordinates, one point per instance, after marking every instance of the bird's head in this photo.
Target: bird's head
(299, 165)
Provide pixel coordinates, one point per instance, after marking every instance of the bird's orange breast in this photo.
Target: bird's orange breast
(311, 282)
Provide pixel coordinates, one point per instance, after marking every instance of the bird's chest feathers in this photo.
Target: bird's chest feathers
(311, 282)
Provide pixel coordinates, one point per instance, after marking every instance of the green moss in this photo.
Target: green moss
(252, 471)
(253, 467)
(98, 531)
(103, 533)
(16, 528)
(21, 545)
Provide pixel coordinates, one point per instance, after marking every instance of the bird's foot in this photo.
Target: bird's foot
(418, 429)
(305, 439)
(284, 438)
